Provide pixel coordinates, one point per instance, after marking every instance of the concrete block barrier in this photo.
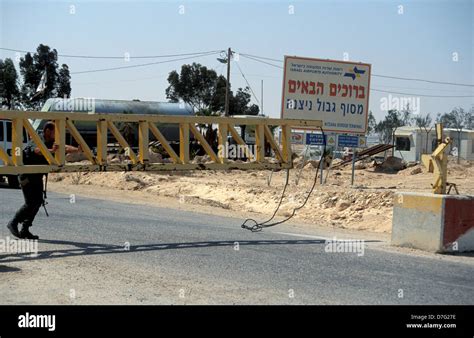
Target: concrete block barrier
(436, 223)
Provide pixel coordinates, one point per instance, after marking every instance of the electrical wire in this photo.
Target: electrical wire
(249, 56)
(464, 91)
(248, 84)
(254, 57)
(376, 89)
(421, 95)
(261, 61)
(256, 227)
(260, 57)
(116, 57)
(423, 80)
(140, 65)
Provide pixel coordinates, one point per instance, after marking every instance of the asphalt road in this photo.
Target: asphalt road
(102, 252)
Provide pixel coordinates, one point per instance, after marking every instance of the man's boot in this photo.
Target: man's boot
(26, 234)
(13, 227)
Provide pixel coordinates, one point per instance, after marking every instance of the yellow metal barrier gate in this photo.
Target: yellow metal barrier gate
(146, 123)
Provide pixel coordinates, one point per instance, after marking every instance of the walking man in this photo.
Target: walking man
(32, 184)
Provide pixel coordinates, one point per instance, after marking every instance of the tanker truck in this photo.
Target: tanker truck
(88, 130)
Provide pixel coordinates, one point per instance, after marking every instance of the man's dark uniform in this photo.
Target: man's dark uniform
(32, 187)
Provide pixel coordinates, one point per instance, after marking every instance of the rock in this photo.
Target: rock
(343, 205)
(197, 159)
(155, 157)
(311, 164)
(391, 164)
(297, 162)
(360, 166)
(416, 171)
(75, 157)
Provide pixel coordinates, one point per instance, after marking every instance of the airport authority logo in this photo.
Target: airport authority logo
(354, 73)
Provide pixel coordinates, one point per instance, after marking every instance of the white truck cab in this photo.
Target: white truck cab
(6, 144)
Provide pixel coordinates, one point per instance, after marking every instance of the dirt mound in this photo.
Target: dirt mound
(415, 170)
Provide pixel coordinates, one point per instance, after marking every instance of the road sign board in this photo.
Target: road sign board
(315, 139)
(350, 141)
(297, 138)
(362, 142)
(331, 140)
(335, 92)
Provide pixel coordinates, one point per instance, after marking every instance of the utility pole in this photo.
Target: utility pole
(227, 92)
(261, 100)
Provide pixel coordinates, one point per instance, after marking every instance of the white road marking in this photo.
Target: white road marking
(303, 235)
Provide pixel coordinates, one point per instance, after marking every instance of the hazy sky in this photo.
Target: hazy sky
(423, 39)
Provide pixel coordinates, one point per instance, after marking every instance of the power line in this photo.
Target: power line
(141, 65)
(421, 95)
(248, 84)
(249, 56)
(466, 91)
(378, 90)
(117, 57)
(158, 76)
(260, 58)
(268, 63)
(423, 80)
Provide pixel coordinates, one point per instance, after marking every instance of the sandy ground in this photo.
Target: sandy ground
(365, 206)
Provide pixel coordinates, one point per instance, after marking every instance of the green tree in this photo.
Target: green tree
(371, 123)
(8, 82)
(32, 68)
(387, 127)
(195, 85)
(240, 103)
(471, 118)
(424, 123)
(205, 91)
(218, 100)
(64, 82)
(406, 115)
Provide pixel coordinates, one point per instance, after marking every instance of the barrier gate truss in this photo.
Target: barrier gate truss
(140, 160)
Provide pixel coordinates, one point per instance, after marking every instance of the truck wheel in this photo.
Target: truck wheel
(13, 182)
